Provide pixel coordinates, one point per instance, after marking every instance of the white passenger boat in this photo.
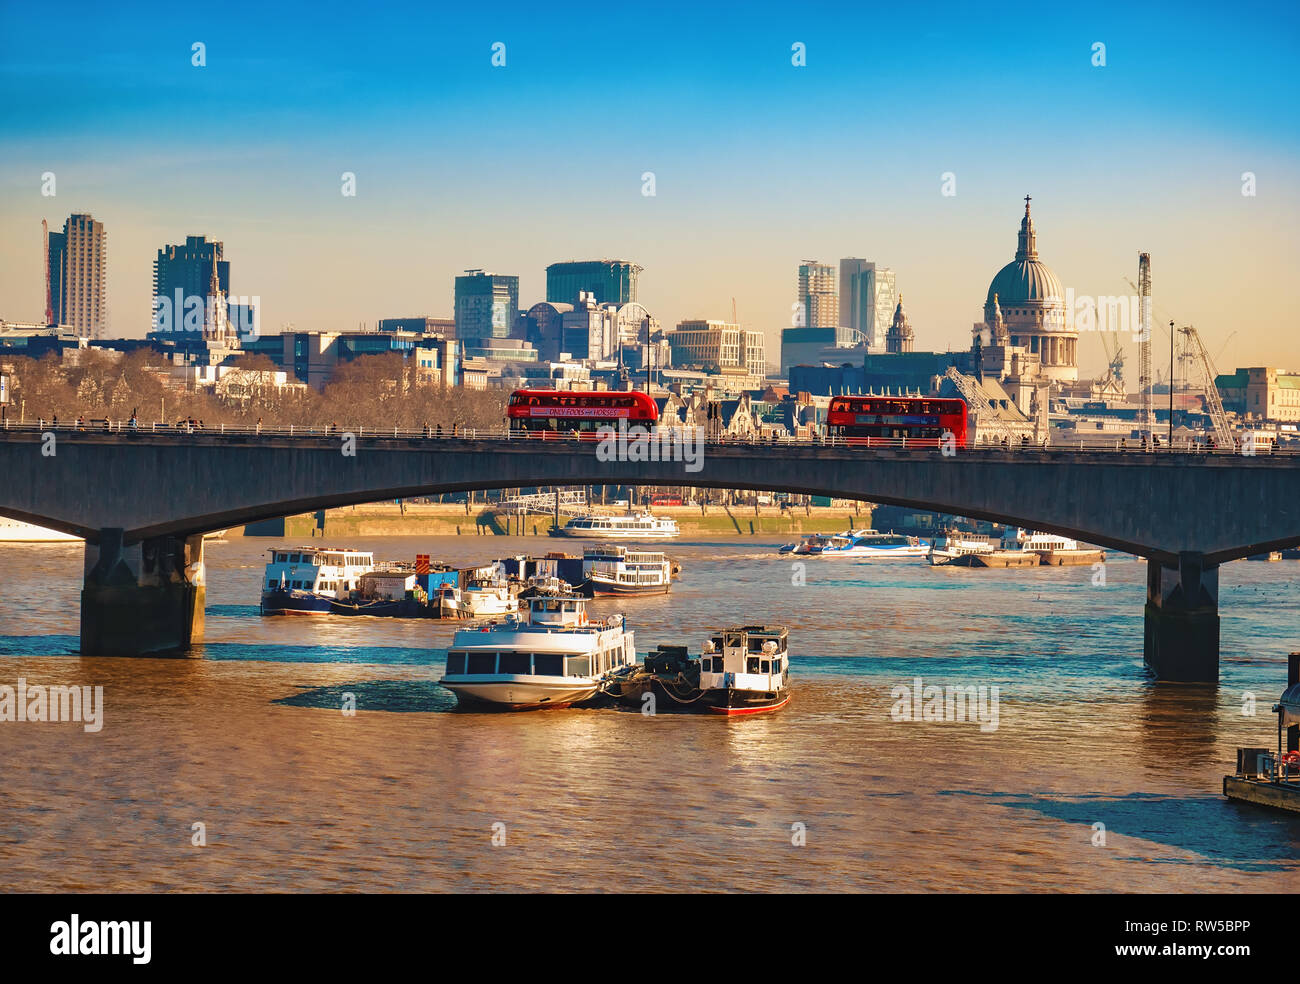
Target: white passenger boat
(630, 527)
(308, 580)
(1052, 550)
(860, 544)
(487, 593)
(16, 531)
(612, 569)
(949, 545)
(1018, 539)
(552, 655)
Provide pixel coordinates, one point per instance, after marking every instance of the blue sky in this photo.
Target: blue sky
(758, 164)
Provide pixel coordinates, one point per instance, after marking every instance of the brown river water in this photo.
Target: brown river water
(246, 737)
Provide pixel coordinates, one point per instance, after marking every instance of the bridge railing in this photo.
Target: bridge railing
(128, 427)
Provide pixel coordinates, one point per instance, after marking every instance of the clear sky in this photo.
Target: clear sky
(758, 164)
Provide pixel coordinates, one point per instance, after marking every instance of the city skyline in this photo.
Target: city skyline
(1145, 153)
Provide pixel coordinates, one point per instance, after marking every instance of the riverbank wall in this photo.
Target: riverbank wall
(454, 519)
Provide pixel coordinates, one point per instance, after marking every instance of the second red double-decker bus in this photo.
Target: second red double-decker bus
(893, 420)
(579, 410)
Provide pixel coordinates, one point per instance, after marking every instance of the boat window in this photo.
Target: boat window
(271, 584)
(548, 664)
(293, 558)
(764, 666)
(717, 664)
(751, 664)
(520, 663)
(455, 662)
(282, 558)
(482, 662)
(579, 666)
(717, 642)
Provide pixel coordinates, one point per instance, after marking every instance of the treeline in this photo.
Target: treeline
(377, 391)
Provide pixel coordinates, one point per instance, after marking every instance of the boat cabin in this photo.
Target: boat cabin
(746, 657)
(320, 570)
(557, 611)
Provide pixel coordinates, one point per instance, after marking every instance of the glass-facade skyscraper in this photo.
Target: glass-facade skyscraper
(609, 281)
(868, 295)
(487, 305)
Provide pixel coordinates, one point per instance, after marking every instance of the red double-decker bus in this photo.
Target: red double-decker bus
(580, 411)
(893, 420)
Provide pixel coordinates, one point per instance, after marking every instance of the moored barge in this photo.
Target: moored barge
(744, 669)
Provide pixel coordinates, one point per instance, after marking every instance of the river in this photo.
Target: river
(246, 738)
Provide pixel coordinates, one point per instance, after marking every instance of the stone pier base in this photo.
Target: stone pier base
(142, 599)
(1181, 638)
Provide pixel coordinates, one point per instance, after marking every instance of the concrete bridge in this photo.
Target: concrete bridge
(143, 500)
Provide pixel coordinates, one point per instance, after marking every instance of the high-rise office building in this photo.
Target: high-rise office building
(885, 290)
(608, 281)
(487, 305)
(185, 271)
(718, 345)
(78, 276)
(868, 296)
(188, 268)
(817, 296)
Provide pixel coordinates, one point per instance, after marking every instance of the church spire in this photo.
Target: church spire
(218, 318)
(1028, 249)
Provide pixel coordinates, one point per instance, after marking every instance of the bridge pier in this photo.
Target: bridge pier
(143, 598)
(1181, 638)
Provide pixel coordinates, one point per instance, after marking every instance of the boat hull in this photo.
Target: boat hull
(680, 697)
(997, 558)
(1071, 558)
(519, 693)
(295, 603)
(599, 587)
(612, 534)
(406, 608)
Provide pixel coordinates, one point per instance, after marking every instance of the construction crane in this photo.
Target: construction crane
(49, 300)
(974, 396)
(1219, 354)
(1114, 378)
(1146, 415)
(1213, 403)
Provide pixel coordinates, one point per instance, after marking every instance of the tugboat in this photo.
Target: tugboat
(553, 656)
(742, 670)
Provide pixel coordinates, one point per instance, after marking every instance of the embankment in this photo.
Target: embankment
(390, 519)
